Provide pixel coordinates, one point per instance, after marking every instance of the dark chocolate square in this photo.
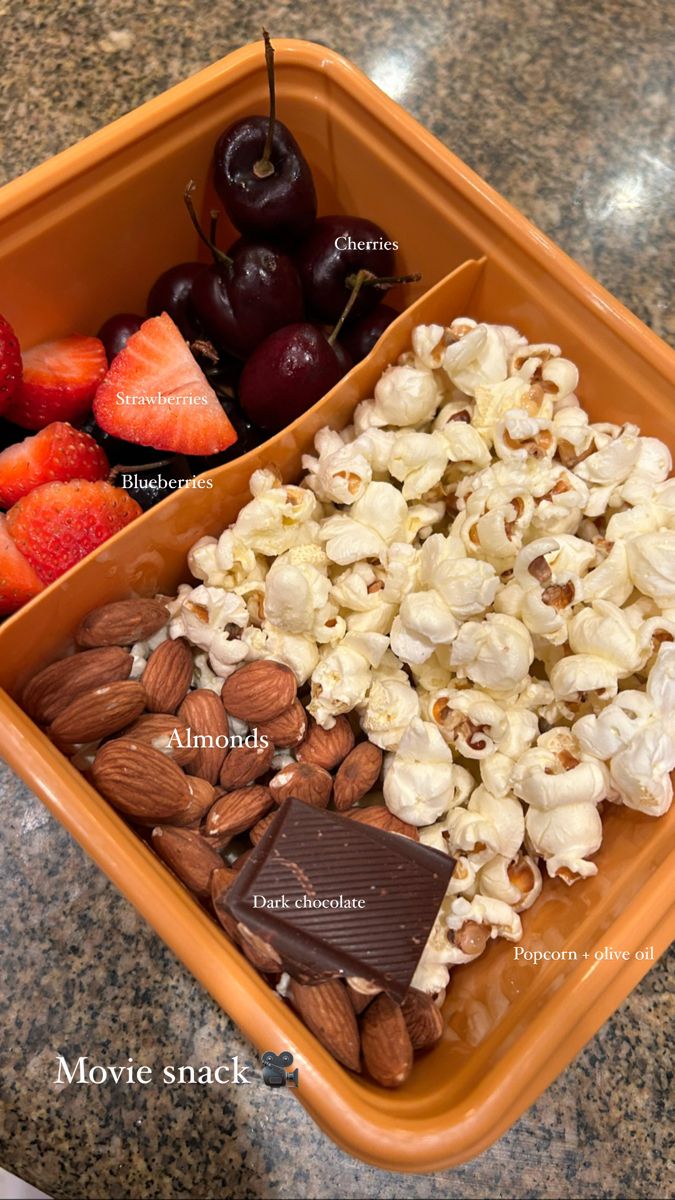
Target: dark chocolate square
(385, 890)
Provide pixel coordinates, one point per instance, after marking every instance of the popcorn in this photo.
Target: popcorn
(277, 517)
(467, 586)
(516, 882)
(574, 676)
(547, 780)
(428, 343)
(541, 363)
(342, 678)
(225, 561)
(640, 772)
(602, 629)
(376, 520)
(610, 580)
(340, 474)
(495, 652)
(469, 527)
(294, 594)
(419, 780)
(470, 721)
(480, 357)
(418, 461)
(424, 622)
(487, 911)
(464, 444)
(406, 395)
(518, 435)
(390, 706)
(651, 565)
(207, 616)
(565, 838)
(505, 814)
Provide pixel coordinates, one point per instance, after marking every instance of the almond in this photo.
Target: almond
(140, 782)
(168, 675)
(357, 775)
(161, 731)
(189, 856)
(235, 812)
(327, 747)
(261, 828)
(97, 714)
(379, 816)
(423, 1019)
(121, 623)
(386, 1044)
(244, 764)
(286, 730)
(258, 952)
(205, 717)
(359, 1000)
(221, 881)
(203, 796)
(305, 782)
(48, 692)
(327, 1010)
(259, 691)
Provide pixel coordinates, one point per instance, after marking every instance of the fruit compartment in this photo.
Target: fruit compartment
(511, 1026)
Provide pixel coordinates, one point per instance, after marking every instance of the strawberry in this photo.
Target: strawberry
(57, 452)
(57, 524)
(156, 394)
(10, 363)
(18, 581)
(59, 382)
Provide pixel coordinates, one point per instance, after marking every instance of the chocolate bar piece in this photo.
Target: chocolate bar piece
(335, 897)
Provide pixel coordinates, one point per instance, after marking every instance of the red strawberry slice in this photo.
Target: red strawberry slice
(57, 452)
(155, 394)
(18, 581)
(57, 524)
(10, 363)
(59, 382)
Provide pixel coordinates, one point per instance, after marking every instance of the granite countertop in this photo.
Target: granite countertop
(566, 110)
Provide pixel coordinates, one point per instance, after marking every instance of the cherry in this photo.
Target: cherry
(330, 256)
(171, 293)
(244, 295)
(261, 174)
(287, 374)
(360, 338)
(116, 331)
(294, 368)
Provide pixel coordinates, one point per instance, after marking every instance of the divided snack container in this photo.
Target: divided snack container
(83, 236)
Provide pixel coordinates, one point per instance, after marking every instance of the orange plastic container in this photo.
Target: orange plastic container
(83, 236)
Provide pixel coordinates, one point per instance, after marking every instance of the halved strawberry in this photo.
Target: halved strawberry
(18, 581)
(59, 382)
(10, 363)
(57, 452)
(57, 524)
(156, 394)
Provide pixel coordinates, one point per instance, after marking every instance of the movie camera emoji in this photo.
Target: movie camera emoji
(274, 1071)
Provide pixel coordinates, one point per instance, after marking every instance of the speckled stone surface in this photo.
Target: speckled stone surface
(565, 109)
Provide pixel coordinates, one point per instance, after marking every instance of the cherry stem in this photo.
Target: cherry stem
(382, 281)
(218, 255)
(163, 462)
(355, 282)
(264, 167)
